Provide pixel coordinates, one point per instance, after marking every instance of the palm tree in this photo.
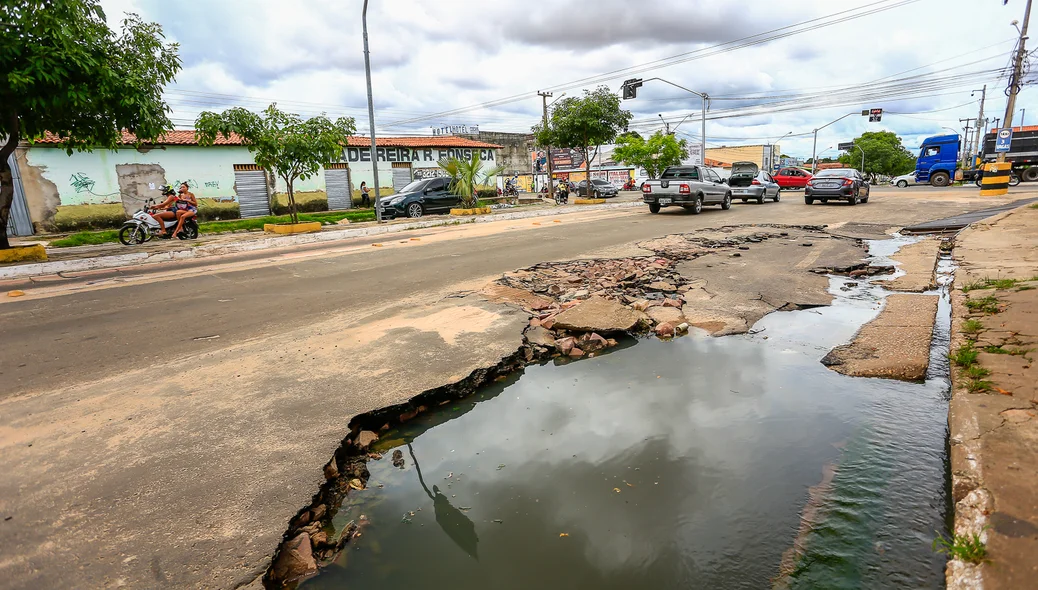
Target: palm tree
(466, 175)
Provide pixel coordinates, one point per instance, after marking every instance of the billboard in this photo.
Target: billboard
(566, 158)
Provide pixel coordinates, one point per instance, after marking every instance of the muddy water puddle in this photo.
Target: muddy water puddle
(736, 462)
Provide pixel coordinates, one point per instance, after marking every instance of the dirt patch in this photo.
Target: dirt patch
(896, 344)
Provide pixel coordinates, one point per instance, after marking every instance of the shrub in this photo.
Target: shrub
(486, 193)
(210, 210)
(70, 218)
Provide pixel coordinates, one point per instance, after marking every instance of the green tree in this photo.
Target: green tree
(583, 123)
(467, 175)
(64, 71)
(282, 143)
(654, 155)
(884, 155)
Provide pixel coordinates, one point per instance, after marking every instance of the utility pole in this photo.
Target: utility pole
(1015, 82)
(966, 142)
(547, 149)
(978, 135)
(371, 112)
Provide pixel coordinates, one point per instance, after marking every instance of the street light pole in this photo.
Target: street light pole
(771, 149)
(371, 111)
(814, 146)
(547, 149)
(706, 105)
(862, 159)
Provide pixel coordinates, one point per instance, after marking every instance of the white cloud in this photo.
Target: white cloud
(429, 57)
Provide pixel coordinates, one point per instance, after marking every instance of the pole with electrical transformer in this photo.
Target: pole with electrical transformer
(996, 177)
(371, 112)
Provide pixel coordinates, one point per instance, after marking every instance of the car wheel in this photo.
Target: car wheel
(760, 199)
(940, 179)
(414, 210)
(598, 195)
(853, 200)
(697, 207)
(745, 200)
(777, 195)
(654, 207)
(866, 199)
(809, 201)
(726, 204)
(902, 184)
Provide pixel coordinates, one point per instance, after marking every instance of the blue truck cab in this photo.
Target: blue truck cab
(938, 157)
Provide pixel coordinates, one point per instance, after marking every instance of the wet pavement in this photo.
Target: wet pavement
(735, 462)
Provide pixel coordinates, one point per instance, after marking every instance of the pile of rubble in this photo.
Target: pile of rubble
(577, 305)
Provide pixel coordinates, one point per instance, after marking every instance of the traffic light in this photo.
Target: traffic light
(630, 88)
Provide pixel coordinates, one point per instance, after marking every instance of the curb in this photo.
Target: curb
(134, 258)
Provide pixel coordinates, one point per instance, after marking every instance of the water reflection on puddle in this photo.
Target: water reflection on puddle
(683, 464)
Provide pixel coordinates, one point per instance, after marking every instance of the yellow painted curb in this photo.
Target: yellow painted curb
(476, 211)
(34, 253)
(292, 228)
(588, 201)
(15, 293)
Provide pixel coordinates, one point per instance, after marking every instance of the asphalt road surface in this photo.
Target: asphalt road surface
(160, 424)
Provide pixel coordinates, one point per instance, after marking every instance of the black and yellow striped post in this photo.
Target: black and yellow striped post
(995, 181)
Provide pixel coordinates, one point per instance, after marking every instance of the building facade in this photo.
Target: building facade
(764, 156)
(226, 171)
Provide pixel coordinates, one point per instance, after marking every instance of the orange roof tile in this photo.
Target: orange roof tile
(187, 137)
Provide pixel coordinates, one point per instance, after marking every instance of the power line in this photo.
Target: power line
(716, 49)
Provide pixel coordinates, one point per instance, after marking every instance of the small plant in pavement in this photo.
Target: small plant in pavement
(1000, 350)
(968, 548)
(972, 327)
(985, 304)
(965, 356)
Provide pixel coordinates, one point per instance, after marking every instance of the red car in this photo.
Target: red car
(792, 178)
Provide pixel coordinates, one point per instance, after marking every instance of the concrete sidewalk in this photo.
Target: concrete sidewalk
(993, 417)
(88, 257)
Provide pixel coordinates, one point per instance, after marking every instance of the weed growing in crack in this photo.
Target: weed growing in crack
(973, 286)
(1000, 350)
(1026, 288)
(968, 548)
(975, 372)
(985, 304)
(965, 356)
(972, 327)
(978, 385)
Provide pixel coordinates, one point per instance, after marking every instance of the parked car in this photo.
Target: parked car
(905, 180)
(600, 189)
(791, 177)
(432, 195)
(748, 181)
(838, 184)
(690, 187)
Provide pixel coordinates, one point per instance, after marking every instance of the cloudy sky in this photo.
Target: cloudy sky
(774, 67)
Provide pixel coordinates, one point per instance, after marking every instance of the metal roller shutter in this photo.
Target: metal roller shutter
(401, 175)
(337, 187)
(250, 183)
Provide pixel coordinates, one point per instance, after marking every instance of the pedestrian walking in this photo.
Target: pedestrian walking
(365, 200)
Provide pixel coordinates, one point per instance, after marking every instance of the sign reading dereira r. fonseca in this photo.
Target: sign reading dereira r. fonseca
(403, 154)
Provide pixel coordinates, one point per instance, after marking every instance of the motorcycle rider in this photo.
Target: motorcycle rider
(164, 211)
(186, 207)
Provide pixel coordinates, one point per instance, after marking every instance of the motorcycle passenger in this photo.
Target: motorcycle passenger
(164, 211)
(186, 207)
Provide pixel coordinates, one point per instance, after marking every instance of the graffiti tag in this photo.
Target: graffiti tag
(81, 182)
(212, 184)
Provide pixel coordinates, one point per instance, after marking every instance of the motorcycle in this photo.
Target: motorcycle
(511, 191)
(562, 195)
(142, 227)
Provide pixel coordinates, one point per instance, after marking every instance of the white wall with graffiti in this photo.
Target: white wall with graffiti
(91, 177)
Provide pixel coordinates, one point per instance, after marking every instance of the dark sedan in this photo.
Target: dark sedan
(599, 189)
(837, 184)
(432, 195)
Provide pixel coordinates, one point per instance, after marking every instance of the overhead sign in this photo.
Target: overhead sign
(1003, 139)
(874, 115)
(845, 147)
